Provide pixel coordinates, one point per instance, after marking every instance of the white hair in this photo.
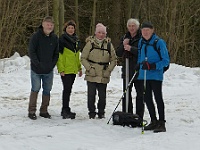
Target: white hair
(135, 21)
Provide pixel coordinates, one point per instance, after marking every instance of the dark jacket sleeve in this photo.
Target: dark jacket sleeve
(33, 44)
(56, 53)
(61, 45)
(134, 50)
(120, 48)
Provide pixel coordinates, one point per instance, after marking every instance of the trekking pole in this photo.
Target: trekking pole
(123, 94)
(127, 82)
(144, 91)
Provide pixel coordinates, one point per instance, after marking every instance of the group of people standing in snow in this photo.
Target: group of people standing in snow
(139, 60)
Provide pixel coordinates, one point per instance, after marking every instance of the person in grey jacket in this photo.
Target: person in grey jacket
(99, 59)
(43, 52)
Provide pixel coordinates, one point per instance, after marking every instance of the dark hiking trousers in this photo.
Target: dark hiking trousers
(138, 84)
(68, 81)
(130, 103)
(92, 88)
(153, 86)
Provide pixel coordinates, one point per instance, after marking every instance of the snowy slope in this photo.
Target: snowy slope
(17, 132)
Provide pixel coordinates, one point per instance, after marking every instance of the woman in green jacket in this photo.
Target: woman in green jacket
(68, 65)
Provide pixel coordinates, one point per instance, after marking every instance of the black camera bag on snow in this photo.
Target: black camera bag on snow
(126, 119)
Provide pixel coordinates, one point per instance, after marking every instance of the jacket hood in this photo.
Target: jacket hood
(92, 39)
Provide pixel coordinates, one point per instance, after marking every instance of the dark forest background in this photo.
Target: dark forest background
(176, 21)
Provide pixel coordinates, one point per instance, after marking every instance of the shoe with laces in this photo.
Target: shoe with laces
(68, 115)
(32, 116)
(101, 116)
(45, 115)
(152, 125)
(92, 115)
(160, 127)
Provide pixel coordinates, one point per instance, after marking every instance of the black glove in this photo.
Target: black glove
(137, 67)
(127, 54)
(147, 66)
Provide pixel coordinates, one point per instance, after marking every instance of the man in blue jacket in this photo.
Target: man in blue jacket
(151, 71)
(43, 52)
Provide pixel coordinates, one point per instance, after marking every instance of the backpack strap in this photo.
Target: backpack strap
(92, 46)
(157, 49)
(108, 49)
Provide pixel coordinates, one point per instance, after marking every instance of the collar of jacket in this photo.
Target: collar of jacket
(128, 35)
(149, 41)
(71, 38)
(92, 39)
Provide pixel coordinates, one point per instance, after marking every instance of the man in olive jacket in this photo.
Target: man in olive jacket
(43, 52)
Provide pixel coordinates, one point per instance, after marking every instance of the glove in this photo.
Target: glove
(127, 54)
(147, 66)
(137, 67)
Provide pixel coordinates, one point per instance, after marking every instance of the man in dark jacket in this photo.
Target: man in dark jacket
(43, 52)
(128, 50)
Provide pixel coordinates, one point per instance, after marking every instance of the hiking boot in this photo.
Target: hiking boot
(32, 102)
(92, 115)
(32, 116)
(152, 125)
(45, 103)
(160, 127)
(68, 115)
(45, 115)
(101, 116)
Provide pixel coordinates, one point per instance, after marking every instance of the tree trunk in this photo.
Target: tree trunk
(76, 17)
(61, 16)
(56, 16)
(93, 20)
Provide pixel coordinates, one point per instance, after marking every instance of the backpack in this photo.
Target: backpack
(158, 51)
(105, 64)
(126, 119)
(108, 47)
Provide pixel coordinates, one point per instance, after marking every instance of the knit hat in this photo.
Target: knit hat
(147, 25)
(100, 27)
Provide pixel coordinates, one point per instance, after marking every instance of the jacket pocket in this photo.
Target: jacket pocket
(92, 72)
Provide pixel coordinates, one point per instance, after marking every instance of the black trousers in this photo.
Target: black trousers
(138, 84)
(93, 87)
(153, 86)
(68, 81)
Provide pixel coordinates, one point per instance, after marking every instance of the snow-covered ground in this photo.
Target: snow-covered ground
(181, 90)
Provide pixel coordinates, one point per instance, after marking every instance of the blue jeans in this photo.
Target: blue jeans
(47, 82)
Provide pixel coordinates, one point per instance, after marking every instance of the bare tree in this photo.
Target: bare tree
(61, 16)
(56, 15)
(76, 17)
(177, 22)
(15, 18)
(93, 20)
